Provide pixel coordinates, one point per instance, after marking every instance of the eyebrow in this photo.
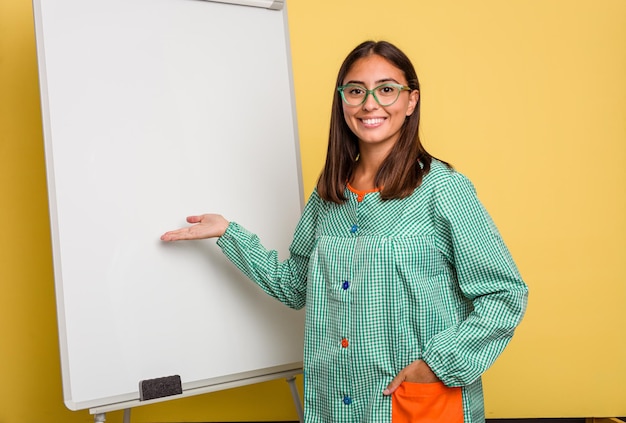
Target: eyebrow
(380, 81)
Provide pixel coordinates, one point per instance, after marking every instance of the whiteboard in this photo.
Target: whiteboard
(154, 110)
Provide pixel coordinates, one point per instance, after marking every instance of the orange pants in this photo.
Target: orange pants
(426, 403)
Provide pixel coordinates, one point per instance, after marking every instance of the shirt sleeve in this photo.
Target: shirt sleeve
(487, 277)
(286, 280)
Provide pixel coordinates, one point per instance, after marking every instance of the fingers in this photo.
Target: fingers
(418, 372)
(177, 235)
(194, 219)
(182, 233)
(167, 237)
(397, 381)
(203, 226)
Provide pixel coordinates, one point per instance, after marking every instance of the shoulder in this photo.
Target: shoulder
(314, 200)
(314, 205)
(442, 178)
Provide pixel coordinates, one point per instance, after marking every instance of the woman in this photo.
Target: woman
(410, 292)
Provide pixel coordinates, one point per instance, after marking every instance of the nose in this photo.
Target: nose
(370, 102)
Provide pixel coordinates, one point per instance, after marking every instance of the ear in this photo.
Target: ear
(413, 98)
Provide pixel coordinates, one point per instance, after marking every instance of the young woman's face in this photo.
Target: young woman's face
(373, 124)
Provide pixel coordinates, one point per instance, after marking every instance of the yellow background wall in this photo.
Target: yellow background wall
(526, 97)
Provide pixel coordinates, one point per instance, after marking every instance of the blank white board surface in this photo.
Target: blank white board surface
(154, 110)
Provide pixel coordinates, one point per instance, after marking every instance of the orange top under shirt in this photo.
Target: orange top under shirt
(360, 194)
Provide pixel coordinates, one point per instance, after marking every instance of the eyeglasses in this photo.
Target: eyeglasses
(385, 94)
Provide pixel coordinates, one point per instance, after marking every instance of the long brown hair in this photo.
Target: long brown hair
(407, 163)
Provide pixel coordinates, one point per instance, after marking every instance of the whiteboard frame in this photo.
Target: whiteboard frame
(125, 405)
(267, 4)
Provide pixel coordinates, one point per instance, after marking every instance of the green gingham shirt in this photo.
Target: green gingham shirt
(386, 283)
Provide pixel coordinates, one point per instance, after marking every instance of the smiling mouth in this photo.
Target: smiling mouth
(373, 121)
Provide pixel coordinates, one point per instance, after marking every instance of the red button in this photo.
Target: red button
(344, 343)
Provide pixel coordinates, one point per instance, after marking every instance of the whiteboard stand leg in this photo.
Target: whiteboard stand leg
(296, 398)
(101, 417)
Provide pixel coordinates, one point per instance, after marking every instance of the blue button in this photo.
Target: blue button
(345, 285)
(347, 400)
(354, 228)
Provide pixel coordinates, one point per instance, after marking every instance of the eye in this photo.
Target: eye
(387, 90)
(355, 90)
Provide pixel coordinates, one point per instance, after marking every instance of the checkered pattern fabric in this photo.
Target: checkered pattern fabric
(386, 283)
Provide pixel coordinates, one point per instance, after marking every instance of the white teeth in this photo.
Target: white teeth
(373, 121)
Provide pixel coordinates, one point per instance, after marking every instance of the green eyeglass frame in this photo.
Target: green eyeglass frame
(354, 99)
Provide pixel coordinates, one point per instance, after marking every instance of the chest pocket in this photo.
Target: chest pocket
(417, 258)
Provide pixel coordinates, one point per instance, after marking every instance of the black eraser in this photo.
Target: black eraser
(160, 387)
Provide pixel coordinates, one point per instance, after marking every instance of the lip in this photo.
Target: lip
(372, 122)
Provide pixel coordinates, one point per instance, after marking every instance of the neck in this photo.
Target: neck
(370, 160)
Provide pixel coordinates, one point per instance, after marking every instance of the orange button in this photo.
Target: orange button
(344, 343)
